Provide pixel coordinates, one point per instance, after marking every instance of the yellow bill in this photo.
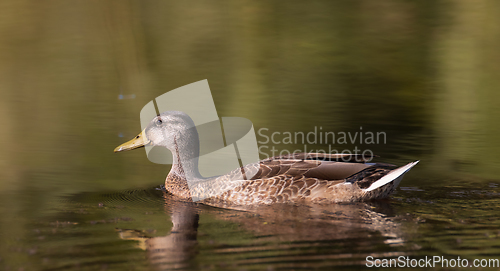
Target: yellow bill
(138, 142)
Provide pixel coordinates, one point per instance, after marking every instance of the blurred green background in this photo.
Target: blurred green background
(424, 72)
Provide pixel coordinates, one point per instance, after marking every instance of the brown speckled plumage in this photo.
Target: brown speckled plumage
(281, 180)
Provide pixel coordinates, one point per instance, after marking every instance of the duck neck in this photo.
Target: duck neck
(185, 168)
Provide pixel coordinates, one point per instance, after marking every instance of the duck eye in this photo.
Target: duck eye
(159, 122)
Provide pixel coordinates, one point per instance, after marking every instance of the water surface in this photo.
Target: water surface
(75, 75)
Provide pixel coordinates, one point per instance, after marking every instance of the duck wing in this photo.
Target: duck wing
(321, 166)
(286, 178)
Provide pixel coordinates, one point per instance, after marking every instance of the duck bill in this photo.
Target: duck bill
(138, 142)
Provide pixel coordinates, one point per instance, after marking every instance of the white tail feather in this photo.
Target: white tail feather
(396, 174)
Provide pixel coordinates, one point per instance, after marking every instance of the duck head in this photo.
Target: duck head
(173, 130)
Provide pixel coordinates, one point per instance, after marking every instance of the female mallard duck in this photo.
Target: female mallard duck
(298, 177)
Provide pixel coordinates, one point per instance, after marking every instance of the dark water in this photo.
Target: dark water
(146, 229)
(74, 76)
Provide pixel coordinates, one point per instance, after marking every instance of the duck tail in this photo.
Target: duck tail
(395, 175)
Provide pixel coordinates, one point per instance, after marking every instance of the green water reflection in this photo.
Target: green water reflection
(425, 73)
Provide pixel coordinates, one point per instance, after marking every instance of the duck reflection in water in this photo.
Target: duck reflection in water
(276, 227)
(173, 250)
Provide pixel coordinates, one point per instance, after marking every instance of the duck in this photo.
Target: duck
(293, 178)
